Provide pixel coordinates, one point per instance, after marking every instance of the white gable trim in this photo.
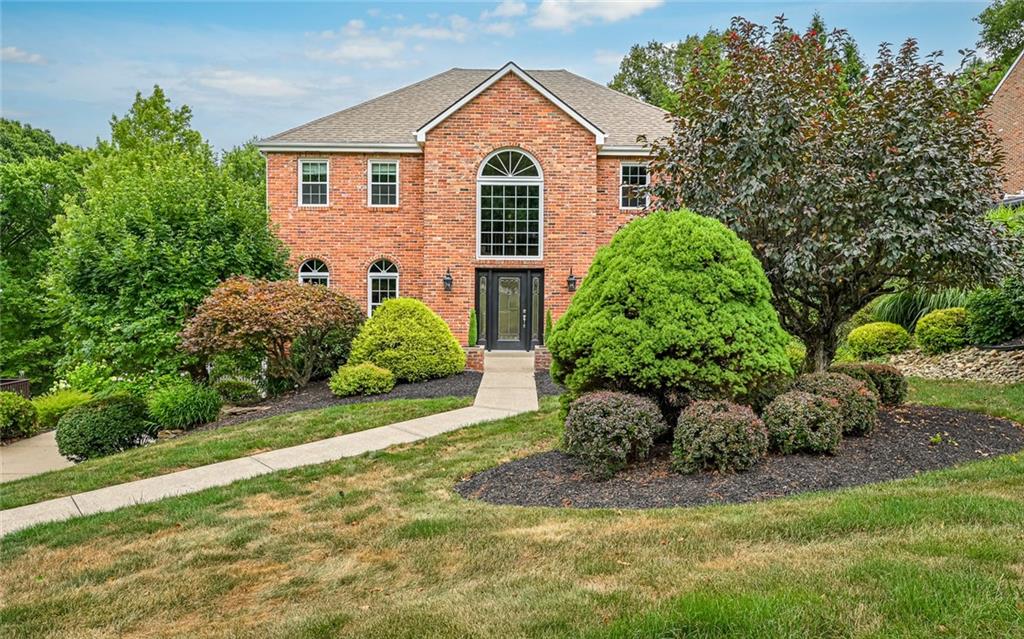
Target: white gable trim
(1008, 72)
(421, 133)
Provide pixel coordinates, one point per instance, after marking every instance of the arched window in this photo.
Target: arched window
(510, 206)
(314, 272)
(381, 283)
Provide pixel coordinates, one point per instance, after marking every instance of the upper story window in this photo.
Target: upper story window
(313, 182)
(314, 272)
(634, 179)
(510, 191)
(383, 188)
(381, 283)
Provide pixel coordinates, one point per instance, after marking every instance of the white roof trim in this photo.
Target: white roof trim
(511, 67)
(1008, 72)
(327, 147)
(625, 150)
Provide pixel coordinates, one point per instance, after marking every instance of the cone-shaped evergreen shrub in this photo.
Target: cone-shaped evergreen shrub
(675, 302)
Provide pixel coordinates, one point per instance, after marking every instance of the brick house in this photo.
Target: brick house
(474, 188)
(1006, 112)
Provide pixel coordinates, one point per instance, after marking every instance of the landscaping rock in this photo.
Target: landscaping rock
(971, 364)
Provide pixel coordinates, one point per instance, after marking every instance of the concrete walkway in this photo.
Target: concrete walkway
(30, 456)
(507, 388)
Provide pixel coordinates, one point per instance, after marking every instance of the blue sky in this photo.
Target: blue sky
(253, 69)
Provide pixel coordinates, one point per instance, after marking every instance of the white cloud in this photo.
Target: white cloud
(14, 54)
(607, 58)
(249, 85)
(500, 28)
(507, 9)
(567, 14)
(353, 27)
(456, 30)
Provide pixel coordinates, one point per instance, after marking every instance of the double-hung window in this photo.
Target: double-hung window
(632, 185)
(383, 187)
(313, 182)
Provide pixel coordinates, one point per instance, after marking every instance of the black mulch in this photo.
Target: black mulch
(899, 447)
(547, 386)
(318, 395)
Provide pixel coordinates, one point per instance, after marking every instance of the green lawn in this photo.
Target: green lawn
(207, 447)
(1002, 401)
(380, 546)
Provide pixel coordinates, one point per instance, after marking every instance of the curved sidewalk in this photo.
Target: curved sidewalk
(507, 388)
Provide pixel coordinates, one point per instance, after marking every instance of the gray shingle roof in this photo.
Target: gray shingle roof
(394, 117)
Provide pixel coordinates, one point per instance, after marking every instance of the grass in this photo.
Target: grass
(1001, 401)
(207, 447)
(380, 546)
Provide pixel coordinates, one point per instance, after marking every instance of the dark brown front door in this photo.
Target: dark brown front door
(509, 309)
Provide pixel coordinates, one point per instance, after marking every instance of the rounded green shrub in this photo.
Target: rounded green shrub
(183, 405)
(996, 315)
(103, 426)
(857, 371)
(605, 430)
(676, 302)
(802, 422)
(858, 406)
(877, 339)
(237, 391)
(51, 407)
(17, 416)
(410, 340)
(718, 435)
(943, 330)
(361, 379)
(887, 382)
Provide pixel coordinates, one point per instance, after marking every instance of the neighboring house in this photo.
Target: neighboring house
(474, 188)
(1006, 112)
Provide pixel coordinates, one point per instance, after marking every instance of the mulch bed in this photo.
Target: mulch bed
(318, 395)
(546, 387)
(899, 447)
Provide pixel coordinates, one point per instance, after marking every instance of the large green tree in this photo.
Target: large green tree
(840, 188)
(654, 72)
(159, 225)
(1001, 41)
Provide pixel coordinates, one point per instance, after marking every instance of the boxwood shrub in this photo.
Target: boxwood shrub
(877, 339)
(103, 426)
(676, 302)
(183, 405)
(718, 435)
(361, 379)
(858, 406)
(944, 330)
(410, 340)
(996, 315)
(606, 430)
(887, 382)
(237, 391)
(802, 422)
(51, 407)
(17, 416)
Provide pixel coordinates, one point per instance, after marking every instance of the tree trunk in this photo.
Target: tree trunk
(821, 350)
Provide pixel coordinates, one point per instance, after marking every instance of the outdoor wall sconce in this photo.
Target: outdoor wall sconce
(571, 281)
(447, 279)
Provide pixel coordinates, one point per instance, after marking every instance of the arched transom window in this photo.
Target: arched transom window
(510, 201)
(381, 283)
(314, 272)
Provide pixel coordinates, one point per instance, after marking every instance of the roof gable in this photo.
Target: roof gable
(1008, 73)
(511, 67)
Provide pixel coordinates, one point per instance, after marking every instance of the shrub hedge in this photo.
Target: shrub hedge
(410, 340)
(183, 405)
(877, 339)
(676, 302)
(361, 379)
(606, 430)
(802, 422)
(858, 406)
(51, 407)
(103, 426)
(17, 416)
(943, 330)
(718, 435)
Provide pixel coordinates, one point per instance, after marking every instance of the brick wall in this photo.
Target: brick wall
(1007, 115)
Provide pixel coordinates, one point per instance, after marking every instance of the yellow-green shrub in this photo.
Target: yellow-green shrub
(877, 339)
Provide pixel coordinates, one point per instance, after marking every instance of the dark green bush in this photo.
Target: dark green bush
(103, 426)
(607, 430)
(802, 422)
(237, 391)
(943, 330)
(996, 315)
(52, 407)
(885, 381)
(361, 379)
(17, 416)
(764, 392)
(877, 339)
(857, 371)
(858, 406)
(183, 405)
(718, 435)
(410, 340)
(675, 302)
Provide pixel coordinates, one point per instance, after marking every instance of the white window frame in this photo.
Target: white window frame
(326, 161)
(369, 183)
(481, 180)
(370, 276)
(298, 271)
(647, 182)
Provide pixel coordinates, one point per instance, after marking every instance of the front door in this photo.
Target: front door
(508, 309)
